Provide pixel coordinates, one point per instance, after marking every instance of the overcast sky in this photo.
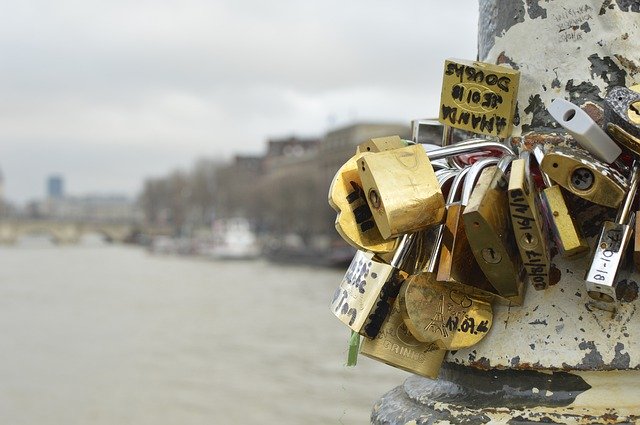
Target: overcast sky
(107, 93)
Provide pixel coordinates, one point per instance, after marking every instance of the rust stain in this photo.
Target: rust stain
(594, 111)
(628, 63)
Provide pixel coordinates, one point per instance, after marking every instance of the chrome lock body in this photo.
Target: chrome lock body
(601, 278)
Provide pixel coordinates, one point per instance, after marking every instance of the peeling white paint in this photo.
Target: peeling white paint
(556, 47)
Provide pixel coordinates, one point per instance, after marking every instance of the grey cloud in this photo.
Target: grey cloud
(179, 79)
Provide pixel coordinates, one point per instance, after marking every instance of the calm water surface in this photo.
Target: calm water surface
(101, 334)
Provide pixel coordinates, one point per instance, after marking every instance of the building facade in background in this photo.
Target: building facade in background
(284, 193)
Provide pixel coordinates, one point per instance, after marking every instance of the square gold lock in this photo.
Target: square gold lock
(479, 97)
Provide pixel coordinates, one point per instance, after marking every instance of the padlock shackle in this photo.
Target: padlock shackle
(471, 145)
(505, 162)
(472, 177)
(625, 209)
(456, 185)
(538, 155)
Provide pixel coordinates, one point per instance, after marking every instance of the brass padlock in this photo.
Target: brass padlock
(397, 347)
(365, 295)
(456, 262)
(584, 176)
(479, 97)
(566, 233)
(442, 314)
(488, 225)
(601, 278)
(402, 190)
(436, 311)
(622, 116)
(527, 223)
(354, 221)
(414, 250)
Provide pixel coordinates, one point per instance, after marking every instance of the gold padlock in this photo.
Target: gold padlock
(584, 176)
(457, 263)
(402, 190)
(566, 233)
(365, 295)
(479, 97)
(439, 313)
(488, 226)
(527, 223)
(414, 251)
(397, 347)
(354, 221)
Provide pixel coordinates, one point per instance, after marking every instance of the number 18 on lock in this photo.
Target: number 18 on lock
(479, 97)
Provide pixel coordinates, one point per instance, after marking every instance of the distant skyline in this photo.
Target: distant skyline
(108, 93)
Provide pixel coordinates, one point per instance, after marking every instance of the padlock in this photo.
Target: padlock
(401, 187)
(584, 130)
(365, 295)
(402, 190)
(527, 223)
(566, 233)
(488, 225)
(443, 314)
(381, 144)
(354, 221)
(622, 117)
(584, 176)
(479, 97)
(414, 249)
(601, 277)
(397, 347)
(456, 262)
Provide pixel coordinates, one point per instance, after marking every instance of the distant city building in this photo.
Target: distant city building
(55, 187)
(288, 150)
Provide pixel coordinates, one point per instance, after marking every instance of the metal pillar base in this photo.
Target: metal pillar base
(464, 395)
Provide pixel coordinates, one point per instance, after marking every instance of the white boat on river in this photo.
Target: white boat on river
(234, 239)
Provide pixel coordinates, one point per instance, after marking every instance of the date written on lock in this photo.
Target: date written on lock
(478, 97)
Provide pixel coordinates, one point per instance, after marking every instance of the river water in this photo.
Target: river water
(108, 334)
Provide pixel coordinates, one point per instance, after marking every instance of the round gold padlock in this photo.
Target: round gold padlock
(438, 313)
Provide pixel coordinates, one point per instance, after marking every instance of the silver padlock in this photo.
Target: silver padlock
(610, 250)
